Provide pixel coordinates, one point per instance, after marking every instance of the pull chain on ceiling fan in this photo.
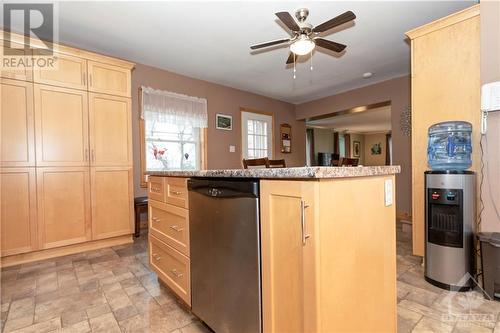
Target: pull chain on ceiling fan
(305, 37)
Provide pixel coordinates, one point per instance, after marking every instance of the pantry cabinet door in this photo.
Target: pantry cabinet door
(18, 211)
(16, 62)
(63, 196)
(67, 71)
(112, 202)
(110, 130)
(288, 273)
(109, 79)
(61, 123)
(17, 124)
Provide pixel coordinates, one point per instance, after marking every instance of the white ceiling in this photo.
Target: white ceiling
(374, 120)
(210, 40)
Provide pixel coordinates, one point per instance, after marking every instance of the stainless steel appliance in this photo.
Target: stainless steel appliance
(450, 203)
(225, 253)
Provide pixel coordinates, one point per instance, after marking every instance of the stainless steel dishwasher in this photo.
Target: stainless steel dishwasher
(225, 253)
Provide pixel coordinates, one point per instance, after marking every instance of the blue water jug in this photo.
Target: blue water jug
(450, 146)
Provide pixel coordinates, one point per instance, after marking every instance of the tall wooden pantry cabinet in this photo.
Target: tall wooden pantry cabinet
(66, 155)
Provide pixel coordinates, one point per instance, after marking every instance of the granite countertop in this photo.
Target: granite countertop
(287, 173)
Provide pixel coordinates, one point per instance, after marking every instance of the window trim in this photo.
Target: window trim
(270, 114)
(142, 146)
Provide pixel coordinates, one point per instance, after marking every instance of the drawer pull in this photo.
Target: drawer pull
(156, 256)
(175, 273)
(156, 219)
(176, 228)
(176, 192)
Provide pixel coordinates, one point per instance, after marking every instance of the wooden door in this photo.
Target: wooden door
(61, 123)
(15, 62)
(68, 72)
(112, 202)
(110, 130)
(18, 211)
(63, 196)
(17, 124)
(287, 261)
(109, 79)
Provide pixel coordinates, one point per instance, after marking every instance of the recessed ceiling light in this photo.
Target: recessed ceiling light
(367, 75)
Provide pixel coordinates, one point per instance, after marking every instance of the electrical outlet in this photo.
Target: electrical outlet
(232, 148)
(388, 192)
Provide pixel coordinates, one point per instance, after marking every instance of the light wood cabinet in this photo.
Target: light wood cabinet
(17, 124)
(170, 224)
(157, 189)
(68, 72)
(110, 130)
(328, 256)
(61, 122)
(17, 59)
(112, 202)
(63, 196)
(445, 81)
(109, 79)
(172, 268)
(177, 192)
(18, 210)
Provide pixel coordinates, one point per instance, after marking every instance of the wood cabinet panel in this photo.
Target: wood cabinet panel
(170, 224)
(17, 124)
(445, 87)
(112, 202)
(172, 268)
(18, 60)
(63, 196)
(109, 79)
(110, 130)
(177, 193)
(157, 188)
(68, 72)
(18, 210)
(61, 122)
(287, 298)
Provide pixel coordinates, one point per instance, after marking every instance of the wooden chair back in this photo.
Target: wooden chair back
(255, 162)
(276, 163)
(349, 161)
(335, 163)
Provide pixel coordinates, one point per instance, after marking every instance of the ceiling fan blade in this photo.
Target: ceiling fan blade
(274, 42)
(341, 19)
(288, 20)
(290, 58)
(328, 44)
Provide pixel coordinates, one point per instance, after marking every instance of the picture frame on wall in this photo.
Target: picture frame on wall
(356, 149)
(223, 122)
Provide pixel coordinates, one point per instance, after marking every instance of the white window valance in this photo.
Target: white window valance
(174, 108)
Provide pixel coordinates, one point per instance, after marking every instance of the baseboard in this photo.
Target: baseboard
(24, 258)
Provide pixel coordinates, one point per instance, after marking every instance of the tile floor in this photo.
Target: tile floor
(113, 290)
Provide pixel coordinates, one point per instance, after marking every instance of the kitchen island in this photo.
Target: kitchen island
(327, 244)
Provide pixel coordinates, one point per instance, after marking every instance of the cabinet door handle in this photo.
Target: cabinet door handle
(303, 207)
(176, 228)
(155, 219)
(174, 272)
(176, 192)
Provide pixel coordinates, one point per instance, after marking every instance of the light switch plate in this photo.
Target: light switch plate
(232, 148)
(388, 192)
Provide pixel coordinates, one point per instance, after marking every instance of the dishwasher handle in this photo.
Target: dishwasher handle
(217, 188)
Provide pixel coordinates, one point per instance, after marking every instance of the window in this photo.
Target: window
(172, 131)
(257, 135)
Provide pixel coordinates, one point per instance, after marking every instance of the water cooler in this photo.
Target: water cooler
(449, 228)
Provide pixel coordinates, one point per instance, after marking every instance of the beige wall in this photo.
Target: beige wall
(370, 140)
(361, 139)
(490, 71)
(397, 91)
(220, 99)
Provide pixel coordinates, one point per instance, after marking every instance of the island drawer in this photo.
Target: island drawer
(170, 224)
(157, 188)
(177, 193)
(172, 268)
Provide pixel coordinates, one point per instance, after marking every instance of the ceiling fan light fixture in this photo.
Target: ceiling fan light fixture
(302, 46)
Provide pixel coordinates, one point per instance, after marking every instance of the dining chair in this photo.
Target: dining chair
(255, 162)
(276, 163)
(346, 161)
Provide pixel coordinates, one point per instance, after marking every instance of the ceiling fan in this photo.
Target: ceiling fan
(306, 37)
